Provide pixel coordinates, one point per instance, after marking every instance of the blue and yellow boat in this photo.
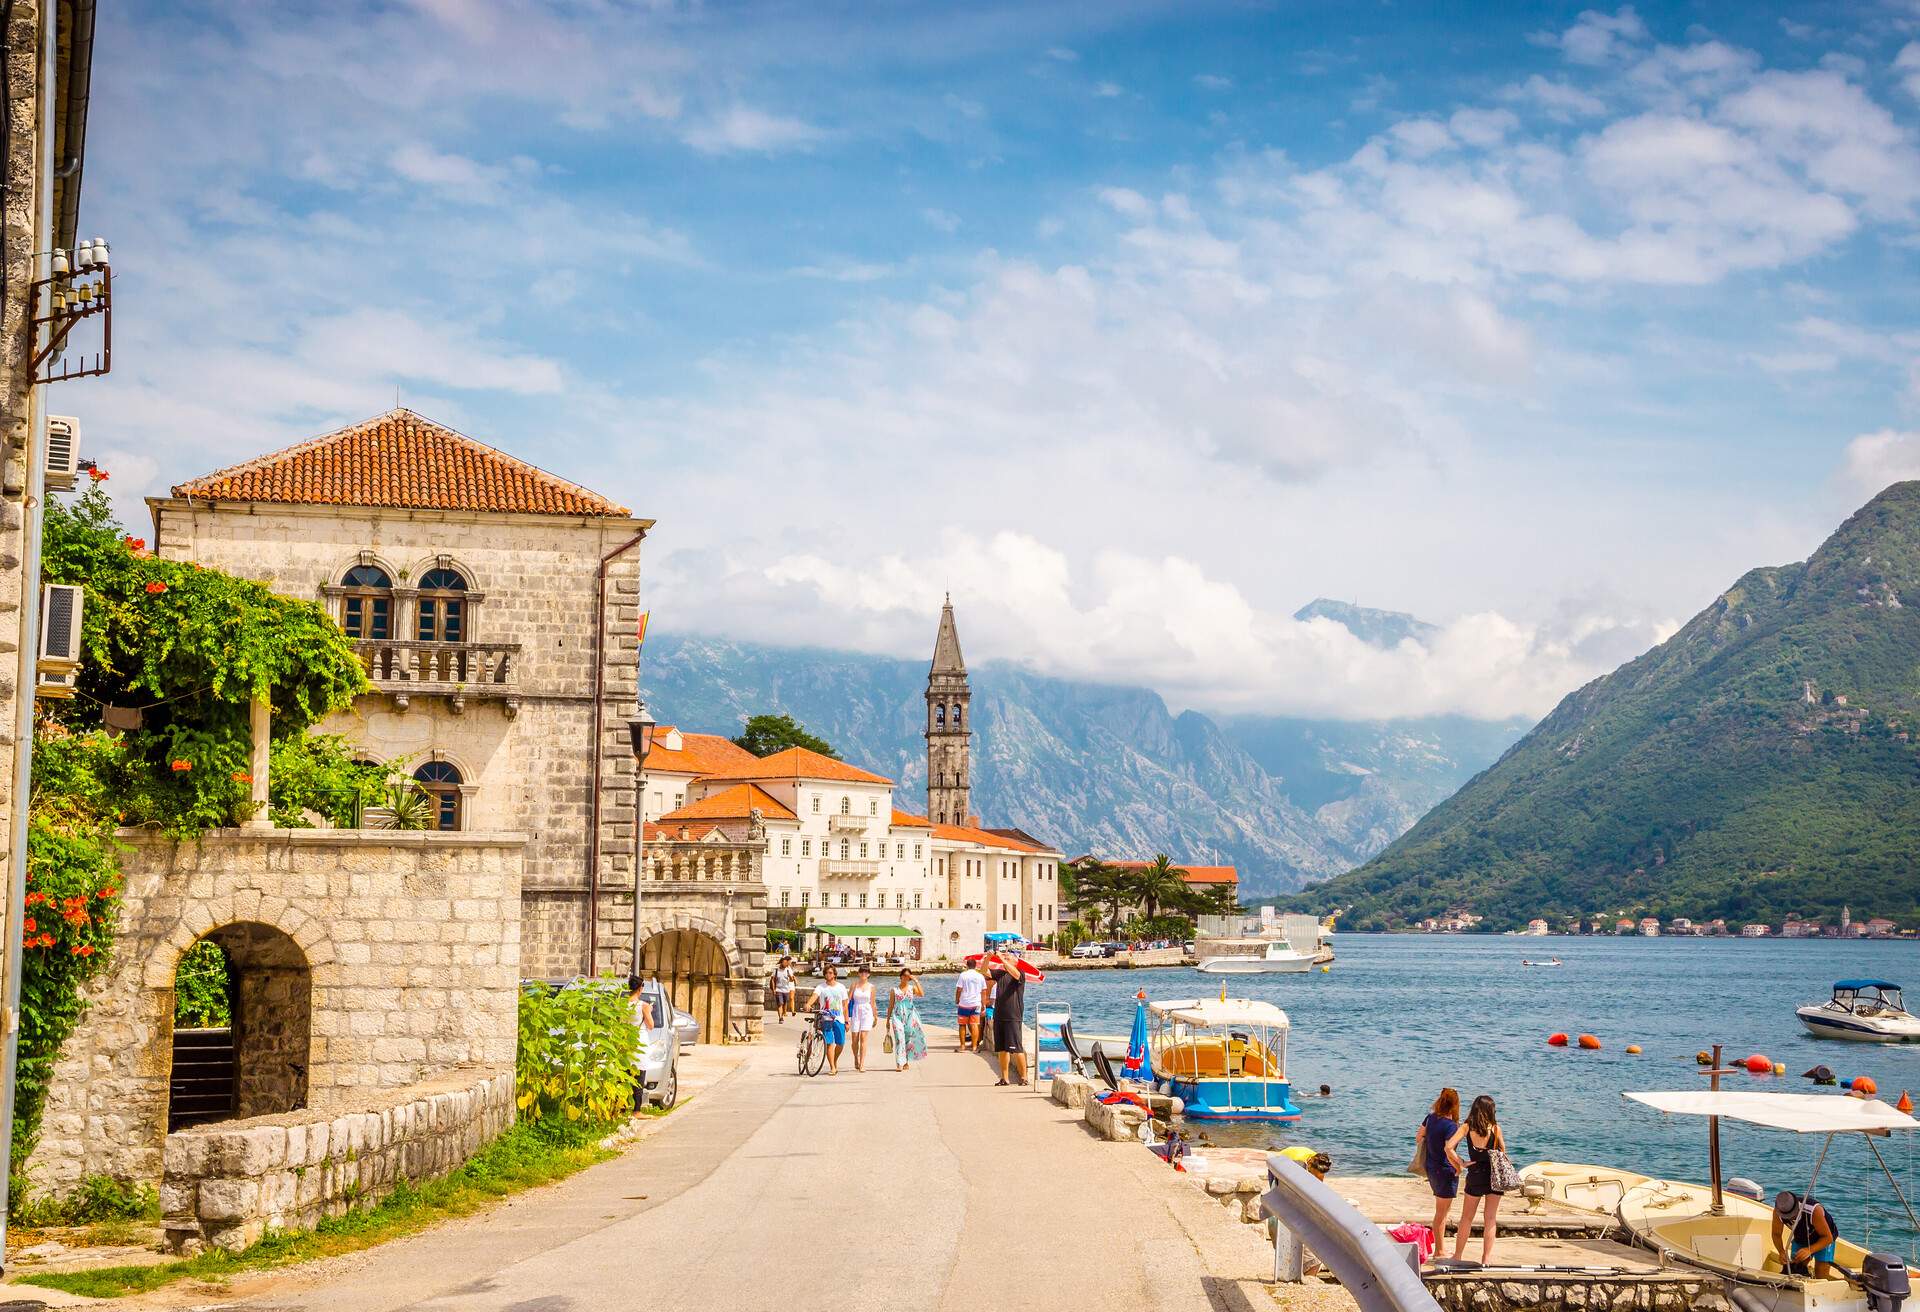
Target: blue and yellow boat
(1225, 1058)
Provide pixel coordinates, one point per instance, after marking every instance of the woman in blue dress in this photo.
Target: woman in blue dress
(903, 1021)
(1433, 1151)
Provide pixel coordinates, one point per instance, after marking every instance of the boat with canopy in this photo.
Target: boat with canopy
(1863, 1010)
(1706, 1227)
(1225, 1058)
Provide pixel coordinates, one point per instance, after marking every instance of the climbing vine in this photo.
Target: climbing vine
(158, 735)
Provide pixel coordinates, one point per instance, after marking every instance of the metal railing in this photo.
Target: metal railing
(1372, 1268)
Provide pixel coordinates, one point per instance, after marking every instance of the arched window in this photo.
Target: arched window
(846, 806)
(956, 715)
(368, 610)
(940, 716)
(441, 781)
(443, 606)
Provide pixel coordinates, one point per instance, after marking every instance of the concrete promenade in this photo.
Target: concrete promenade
(926, 1190)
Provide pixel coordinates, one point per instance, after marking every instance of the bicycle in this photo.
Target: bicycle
(812, 1056)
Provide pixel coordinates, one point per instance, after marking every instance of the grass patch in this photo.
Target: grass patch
(527, 1155)
(99, 1198)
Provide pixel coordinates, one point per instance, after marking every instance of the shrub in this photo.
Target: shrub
(202, 988)
(576, 1054)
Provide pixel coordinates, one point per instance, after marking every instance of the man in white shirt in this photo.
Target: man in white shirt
(967, 991)
(783, 989)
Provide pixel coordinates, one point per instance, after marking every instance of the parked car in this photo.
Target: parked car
(1088, 951)
(686, 1027)
(1114, 949)
(660, 1046)
(1188, 947)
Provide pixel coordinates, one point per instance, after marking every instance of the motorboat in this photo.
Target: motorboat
(1592, 1189)
(1553, 961)
(1863, 1010)
(1255, 956)
(1714, 1229)
(1224, 1058)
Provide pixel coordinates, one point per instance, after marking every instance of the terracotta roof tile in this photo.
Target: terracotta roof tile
(1195, 874)
(984, 838)
(906, 820)
(695, 830)
(699, 753)
(735, 803)
(798, 763)
(402, 460)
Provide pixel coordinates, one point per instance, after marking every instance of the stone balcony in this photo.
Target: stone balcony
(834, 869)
(454, 670)
(848, 824)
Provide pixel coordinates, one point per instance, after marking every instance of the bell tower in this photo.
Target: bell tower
(949, 731)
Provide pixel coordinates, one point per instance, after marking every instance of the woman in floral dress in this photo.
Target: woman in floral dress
(903, 1021)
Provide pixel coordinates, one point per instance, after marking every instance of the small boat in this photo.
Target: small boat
(1225, 1058)
(1713, 1229)
(1863, 1010)
(1264, 957)
(1594, 1189)
(1552, 962)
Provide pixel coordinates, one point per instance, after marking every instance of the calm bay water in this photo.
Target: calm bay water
(1399, 1016)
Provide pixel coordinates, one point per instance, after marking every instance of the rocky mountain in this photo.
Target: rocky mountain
(1097, 768)
(1382, 628)
(1761, 761)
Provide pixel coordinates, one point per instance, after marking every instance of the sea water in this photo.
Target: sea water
(1400, 1016)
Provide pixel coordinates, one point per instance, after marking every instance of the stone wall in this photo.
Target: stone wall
(527, 765)
(1663, 1291)
(412, 941)
(713, 888)
(228, 1184)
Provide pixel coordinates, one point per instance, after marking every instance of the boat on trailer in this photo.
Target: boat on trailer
(1705, 1227)
(1864, 1011)
(1224, 1058)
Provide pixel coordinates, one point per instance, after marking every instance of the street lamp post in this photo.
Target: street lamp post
(640, 731)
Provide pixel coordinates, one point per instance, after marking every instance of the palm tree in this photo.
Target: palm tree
(1159, 883)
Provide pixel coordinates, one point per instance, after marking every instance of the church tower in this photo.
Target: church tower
(948, 730)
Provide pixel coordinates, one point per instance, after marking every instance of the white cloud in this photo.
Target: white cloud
(1063, 55)
(943, 220)
(1561, 100)
(847, 271)
(419, 163)
(739, 128)
(1127, 201)
(1907, 65)
(1107, 90)
(1874, 460)
(1597, 38)
(1213, 81)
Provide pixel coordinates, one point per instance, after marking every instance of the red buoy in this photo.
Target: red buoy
(1905, 1104)
(1864, 1084)
(1758, 1065)
(1556, 1040)
(1590, 1043)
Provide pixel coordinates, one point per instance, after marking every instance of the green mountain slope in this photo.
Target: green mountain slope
(1761, 761)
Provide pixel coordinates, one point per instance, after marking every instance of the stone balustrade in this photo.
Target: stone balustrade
(699, 863)
(230, 1183)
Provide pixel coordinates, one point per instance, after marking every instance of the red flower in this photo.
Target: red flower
(155, 588)
(30, 926)
(180, 765)
(97, 475)
(84, 950)
(35, 899)
(242, 777)
(106, 893)
(134, 543)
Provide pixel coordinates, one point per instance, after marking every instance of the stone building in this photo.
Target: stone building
(949, 728)
(495, 606)
(42, 211)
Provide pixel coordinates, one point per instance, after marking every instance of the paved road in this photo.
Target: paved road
(926, 1190)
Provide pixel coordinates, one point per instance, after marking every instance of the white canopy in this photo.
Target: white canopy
(1802, 1113)
(1223, 1011)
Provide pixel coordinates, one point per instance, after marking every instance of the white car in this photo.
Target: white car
(1087, 950)
(659, 1046)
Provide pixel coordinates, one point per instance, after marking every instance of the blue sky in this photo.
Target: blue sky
(1136, 325)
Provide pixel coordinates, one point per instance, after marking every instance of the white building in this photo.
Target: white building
(1754, 931)
(1537, 928)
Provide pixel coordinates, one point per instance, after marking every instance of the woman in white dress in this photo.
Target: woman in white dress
(861, 1015)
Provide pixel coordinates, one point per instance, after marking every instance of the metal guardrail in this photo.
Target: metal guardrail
(1372, 1268)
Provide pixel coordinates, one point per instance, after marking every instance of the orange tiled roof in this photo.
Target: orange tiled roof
(403, 460)
(909, 821)
(798, 763)
(984, 838)
(700, 753)
(657, 833)
(735, 803)
(1195, 874)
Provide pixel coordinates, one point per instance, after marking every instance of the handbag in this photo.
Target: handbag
(886, 1043)
(1502, 1178)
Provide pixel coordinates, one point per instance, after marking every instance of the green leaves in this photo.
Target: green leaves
(766, 734)
(577, 1051)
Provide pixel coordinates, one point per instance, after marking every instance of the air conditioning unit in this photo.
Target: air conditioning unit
(59, 664)
(63, 453)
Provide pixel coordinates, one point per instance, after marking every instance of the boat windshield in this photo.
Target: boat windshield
(1867, 999)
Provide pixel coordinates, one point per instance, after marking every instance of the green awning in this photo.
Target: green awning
(864, 931)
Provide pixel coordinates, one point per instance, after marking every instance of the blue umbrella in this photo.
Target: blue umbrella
(1137, 1041)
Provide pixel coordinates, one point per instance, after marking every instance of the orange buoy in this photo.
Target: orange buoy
(1703, 1058)
(1590, 1043)
(1633, 1050)
(1556, 1040)
(1758, 1065)
(1905, 1104)
(1864, 1084)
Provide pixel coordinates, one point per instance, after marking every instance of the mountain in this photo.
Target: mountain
(1382, 628)
(1091, 767)
(1759, 762)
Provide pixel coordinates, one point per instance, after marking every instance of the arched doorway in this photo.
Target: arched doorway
(693, 967)
(243, 1002)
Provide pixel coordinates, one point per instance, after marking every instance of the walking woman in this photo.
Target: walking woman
(860, 1016)
(903, 1021)
(1482, 1133)
(1433, 1154)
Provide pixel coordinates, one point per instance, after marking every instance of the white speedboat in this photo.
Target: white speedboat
(1554, 962)
(1863, 1010)
(1265, 957)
